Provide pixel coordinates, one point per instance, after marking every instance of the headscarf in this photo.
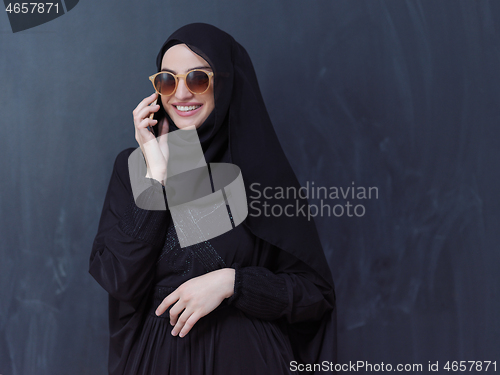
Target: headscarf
(239, 131)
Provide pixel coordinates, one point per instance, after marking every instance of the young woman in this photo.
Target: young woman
(258, 299)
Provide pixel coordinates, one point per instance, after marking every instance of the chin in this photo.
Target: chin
(183, 124)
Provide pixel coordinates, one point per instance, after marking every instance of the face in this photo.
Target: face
(185, 108)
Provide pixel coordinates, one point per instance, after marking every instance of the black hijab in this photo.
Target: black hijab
(239, 131)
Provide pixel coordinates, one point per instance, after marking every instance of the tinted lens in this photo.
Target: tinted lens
(198, 81)
(165, 83)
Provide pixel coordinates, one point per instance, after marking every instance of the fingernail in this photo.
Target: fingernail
(172, 324)
(156, 312)
(181, 334)
(174, 333)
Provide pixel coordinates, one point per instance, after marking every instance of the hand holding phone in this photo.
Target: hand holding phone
(147, 140)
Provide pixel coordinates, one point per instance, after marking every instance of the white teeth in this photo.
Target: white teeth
(187, 108)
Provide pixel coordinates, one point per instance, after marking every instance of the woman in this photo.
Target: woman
(258, 299)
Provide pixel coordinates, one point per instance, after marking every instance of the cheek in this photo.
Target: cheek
(210, 101)
(164, 101)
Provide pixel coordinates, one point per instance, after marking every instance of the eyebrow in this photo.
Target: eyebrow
(174, 72)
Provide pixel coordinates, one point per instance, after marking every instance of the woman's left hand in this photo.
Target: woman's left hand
(196, 298)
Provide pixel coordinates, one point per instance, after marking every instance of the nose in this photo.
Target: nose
(182, 92)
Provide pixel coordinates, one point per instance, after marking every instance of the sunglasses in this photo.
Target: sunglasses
(197, 81)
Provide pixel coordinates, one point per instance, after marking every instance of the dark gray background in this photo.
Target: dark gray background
(400, 95)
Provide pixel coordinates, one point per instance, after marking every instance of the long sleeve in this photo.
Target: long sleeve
(128, 238)
(291, 291)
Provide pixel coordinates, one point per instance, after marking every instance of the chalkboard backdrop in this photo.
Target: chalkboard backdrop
(398, 96)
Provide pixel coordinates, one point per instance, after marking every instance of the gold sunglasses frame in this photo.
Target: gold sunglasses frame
(183, 76)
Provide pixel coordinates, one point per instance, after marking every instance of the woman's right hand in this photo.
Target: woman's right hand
(156, 154)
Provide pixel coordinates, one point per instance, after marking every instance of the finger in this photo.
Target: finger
(146, 122)
(147, 101)
(175, 311)
(180, 322)
(146, 112)
(165, 304)
(192, 320)
(153, 104)
(142, 133)
(144, 102)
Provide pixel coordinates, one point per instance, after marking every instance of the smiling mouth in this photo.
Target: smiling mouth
(186, 108)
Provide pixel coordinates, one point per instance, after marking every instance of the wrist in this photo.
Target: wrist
(228, 283)
(158, 175)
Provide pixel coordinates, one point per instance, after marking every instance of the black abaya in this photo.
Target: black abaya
(247, 334)
(283, 306)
